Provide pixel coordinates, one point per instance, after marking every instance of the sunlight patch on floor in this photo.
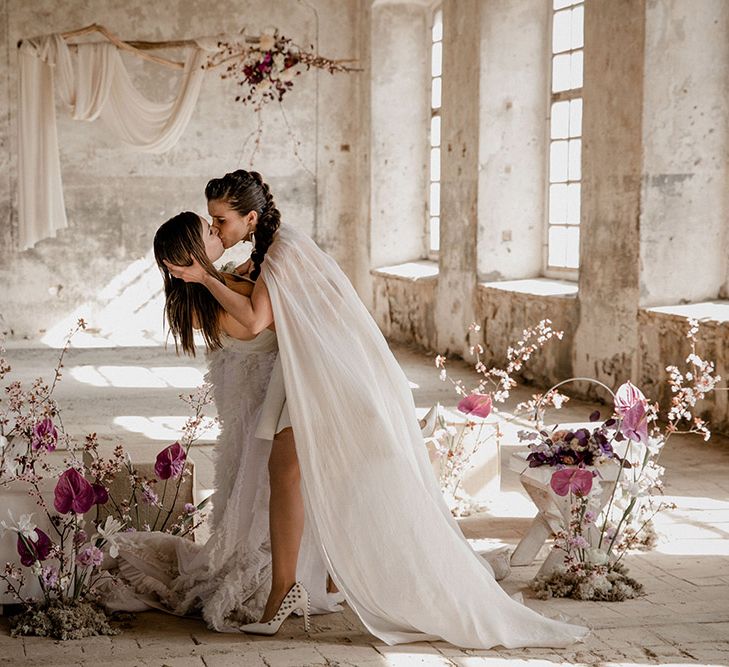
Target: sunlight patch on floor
(182, 377)
(162, 427)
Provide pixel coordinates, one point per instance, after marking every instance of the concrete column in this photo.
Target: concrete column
(607, 334)
(513, 138)
(400, 116)
(683, 223)
(459, 174)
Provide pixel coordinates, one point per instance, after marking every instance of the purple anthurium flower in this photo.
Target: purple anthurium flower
(626, 397)
(476, 404)
(635, 423)
(44, 435)
(170, 462)
(101, 493)
(73, 493)
(574, 480)
(31, 551)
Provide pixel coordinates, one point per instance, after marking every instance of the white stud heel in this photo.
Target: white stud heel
(296, 598)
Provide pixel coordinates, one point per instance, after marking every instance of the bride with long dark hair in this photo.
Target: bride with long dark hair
(228, 579)
(370, 496)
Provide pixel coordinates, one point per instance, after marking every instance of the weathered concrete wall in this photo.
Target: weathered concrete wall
(116, 198)
(684, 221)
(606, 339)
(403, 309)
(513, 139)
(503, 316)
(459, 174)
(400, 86)
(663, 342)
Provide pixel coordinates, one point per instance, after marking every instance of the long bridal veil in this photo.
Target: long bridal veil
(391, 544)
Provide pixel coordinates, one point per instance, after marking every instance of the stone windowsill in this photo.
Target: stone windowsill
(423, 269)
(705, 311)
(536, 287)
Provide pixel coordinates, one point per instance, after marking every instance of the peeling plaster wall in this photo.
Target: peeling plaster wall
(606, 338)
(403, 309)
(513, 139)
(685, 200)
(116, 198)
(504, 315)
(663, 342)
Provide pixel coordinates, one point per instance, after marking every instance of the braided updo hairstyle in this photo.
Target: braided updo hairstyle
(245, 191)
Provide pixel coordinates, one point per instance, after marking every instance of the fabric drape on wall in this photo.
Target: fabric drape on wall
(92, 83)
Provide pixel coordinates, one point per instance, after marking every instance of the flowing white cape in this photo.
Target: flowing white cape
(392, 546)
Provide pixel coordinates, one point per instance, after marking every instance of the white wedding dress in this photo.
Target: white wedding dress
(227, 579)
(390, 541)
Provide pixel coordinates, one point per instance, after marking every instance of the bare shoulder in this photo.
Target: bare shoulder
(230, 326)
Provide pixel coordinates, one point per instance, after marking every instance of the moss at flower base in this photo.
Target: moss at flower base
(593, 583)
(62, 621)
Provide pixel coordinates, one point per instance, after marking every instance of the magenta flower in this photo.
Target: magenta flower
(626, 397)
(571, 480)
(101, 493)
(170, 462)
(31, 551)
(635, 423)
(476, 404)
(49, 576)
(91, 555)
(73, 493)
(45, 435)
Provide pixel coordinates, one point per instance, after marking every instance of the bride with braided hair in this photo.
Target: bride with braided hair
(357, 471)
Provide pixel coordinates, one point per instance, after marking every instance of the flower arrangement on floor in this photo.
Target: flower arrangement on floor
(610, 477)
(64, 561)
(267, 67)
(455, 447)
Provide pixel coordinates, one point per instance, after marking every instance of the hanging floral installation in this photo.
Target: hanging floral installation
(266, 69)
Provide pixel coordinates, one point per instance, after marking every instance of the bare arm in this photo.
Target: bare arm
(254, 313)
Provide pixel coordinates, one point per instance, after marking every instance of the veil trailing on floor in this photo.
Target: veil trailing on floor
(390, 541)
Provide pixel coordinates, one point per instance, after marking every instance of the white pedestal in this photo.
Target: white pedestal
(553, 511)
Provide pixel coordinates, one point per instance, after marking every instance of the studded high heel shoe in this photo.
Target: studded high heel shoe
(296, 598)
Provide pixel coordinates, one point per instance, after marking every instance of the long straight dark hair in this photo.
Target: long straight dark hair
(177, 241)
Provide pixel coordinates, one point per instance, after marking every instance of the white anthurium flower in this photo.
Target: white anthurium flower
(107, 532)
(597, 556)
(24, 526)
(655, 445)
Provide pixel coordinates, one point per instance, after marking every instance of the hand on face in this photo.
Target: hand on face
(190, 274)
(195, 273)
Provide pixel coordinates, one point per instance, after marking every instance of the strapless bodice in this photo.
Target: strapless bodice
(263, 342)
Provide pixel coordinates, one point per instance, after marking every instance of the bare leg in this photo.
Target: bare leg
(286, 518)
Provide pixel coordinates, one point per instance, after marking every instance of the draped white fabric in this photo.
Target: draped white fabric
(392, 546)
(91, 83)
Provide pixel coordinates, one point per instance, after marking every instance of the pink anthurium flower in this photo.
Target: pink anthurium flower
(73, 493)
(476, 404)
(626, 397)
(31, 550)
(635, 423)
(574, 480)
(170, 462)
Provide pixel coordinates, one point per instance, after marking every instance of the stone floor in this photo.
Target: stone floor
(131, 394)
